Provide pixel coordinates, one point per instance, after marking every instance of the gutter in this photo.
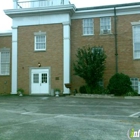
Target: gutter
(109, 6)
(115, 41)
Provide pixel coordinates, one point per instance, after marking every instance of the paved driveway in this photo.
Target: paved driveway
(67, 118)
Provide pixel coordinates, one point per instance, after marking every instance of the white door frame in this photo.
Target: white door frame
(49, 77)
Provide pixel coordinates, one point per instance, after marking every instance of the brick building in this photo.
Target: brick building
(47, 33)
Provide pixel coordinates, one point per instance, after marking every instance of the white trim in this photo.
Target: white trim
(107, 31)
(70, 9)
(4, 50)
(35, 46)
(41, 68)
(135, 23)
(134, 57)
(85, 27)
(41, 19)
(103, 12)
(6, 33)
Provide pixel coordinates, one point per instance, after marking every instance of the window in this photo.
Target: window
(87, 26)
(4, 61)
(134, 83)
(100, 83)
(99, 49)
(136, 42)
(105, 25)
(40, 41)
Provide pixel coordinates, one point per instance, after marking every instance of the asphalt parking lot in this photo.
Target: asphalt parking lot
(67, 118)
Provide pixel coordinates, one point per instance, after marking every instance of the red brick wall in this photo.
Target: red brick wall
(126, 64)
(5, 81)
(52, 57)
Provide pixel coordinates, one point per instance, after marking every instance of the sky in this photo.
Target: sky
(6, 22)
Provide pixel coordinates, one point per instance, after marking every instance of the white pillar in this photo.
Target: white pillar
(66, 56)
(66, 2)
(14, 60)
(15, 4)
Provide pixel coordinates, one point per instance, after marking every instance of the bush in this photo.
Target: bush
(133, 93)
(82, 89)
(91, 90)
(119, 84)
(90, 65)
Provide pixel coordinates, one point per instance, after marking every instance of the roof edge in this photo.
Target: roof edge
(6, 33)
(109, 6)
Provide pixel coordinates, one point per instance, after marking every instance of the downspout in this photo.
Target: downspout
(116, 41)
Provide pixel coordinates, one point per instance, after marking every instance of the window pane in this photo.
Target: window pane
(5, 69)
(44, 78)
(5, 63)
(137, 46)
(105, 24)
(136, 39)
(5, 57)
(87, 26)
(40, 42)
(36, 78)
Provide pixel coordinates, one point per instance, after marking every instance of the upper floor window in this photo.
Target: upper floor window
(4, 61)
(105, 25)
(40, 41)
(136, 42)
(88, 26)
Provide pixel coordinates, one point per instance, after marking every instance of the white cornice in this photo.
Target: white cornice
(6, 33)
(89, 12)
(70, 8)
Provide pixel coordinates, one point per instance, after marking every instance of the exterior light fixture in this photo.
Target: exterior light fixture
(39, 64)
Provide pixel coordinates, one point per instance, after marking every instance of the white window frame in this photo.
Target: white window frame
(35, 41)
(88, 26)
(136, 42)
(7, 67)
(135, 84)
(105, 25)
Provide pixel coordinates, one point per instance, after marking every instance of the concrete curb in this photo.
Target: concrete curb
(104, 96)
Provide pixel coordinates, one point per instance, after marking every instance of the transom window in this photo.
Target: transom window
(4, 61)
(40, 41)
(136, 42)
(134, 83)
(105, 25)
(88, 26)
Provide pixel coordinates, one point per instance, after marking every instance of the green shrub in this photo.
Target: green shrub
(132, 93)
(90, 90)
(119, 84)
(82, 89)
(98, 90)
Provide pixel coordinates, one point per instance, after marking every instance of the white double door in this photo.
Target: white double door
(40, 81)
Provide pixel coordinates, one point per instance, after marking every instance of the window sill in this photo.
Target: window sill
(106, 34)
(88, 35)
(4, 75)
(39, 50)
(136, 59)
